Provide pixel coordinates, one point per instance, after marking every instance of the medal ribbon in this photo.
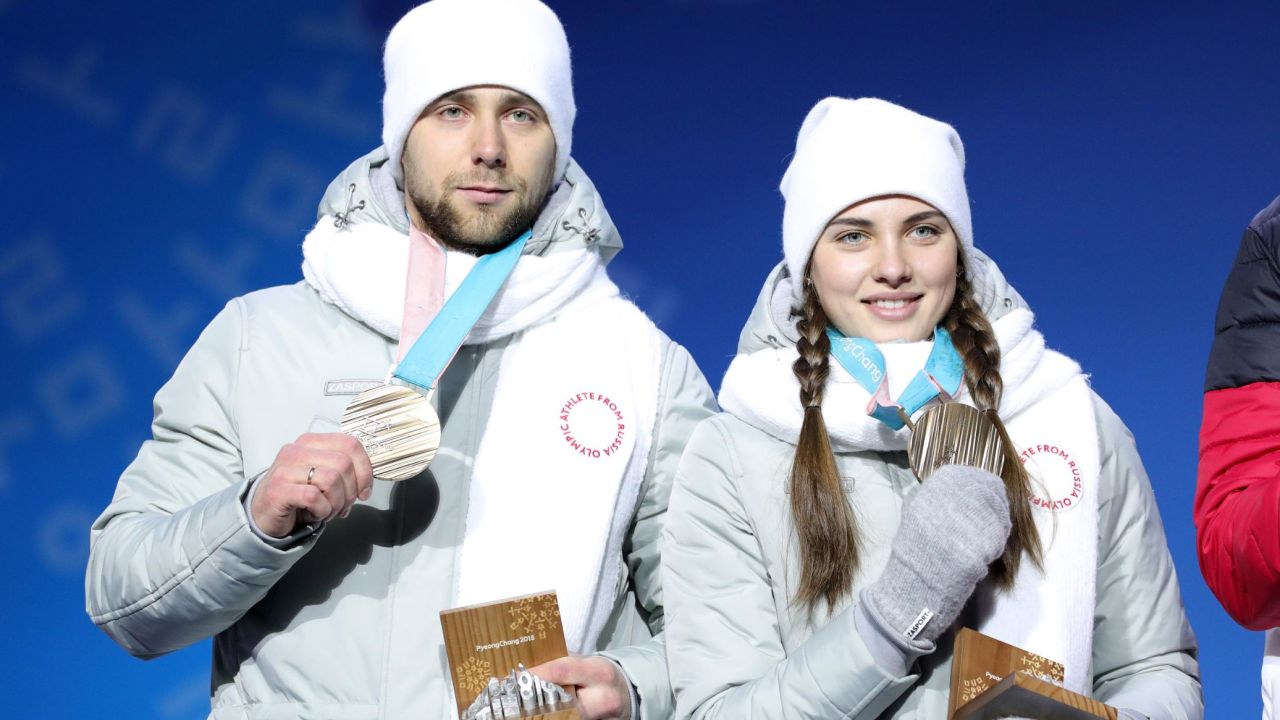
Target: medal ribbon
(424, 288)
(942, 374)
(436, 346)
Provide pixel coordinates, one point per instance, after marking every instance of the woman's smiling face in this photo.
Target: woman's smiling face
(885, 269)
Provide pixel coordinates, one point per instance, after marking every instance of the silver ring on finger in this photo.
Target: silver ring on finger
(311, 474)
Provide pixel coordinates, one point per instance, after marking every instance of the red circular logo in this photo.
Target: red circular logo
(592, 425)
(1056, 483)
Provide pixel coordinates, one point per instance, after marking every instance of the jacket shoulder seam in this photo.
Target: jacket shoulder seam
(660, 406)
(717, 424)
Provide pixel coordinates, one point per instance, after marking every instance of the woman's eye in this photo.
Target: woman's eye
(925, 232)
(852, 238)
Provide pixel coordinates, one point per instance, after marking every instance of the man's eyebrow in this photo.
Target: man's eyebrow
(514, 97)
(854, 222)
(462, 97)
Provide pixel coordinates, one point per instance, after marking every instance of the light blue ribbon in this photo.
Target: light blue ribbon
(943, 372)
(430, 355)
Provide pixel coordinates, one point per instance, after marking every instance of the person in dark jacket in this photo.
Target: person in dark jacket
(1237, 505)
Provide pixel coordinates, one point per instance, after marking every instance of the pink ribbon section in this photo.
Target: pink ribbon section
(423, 290)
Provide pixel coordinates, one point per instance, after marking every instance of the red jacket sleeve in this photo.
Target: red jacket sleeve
(1237, 504)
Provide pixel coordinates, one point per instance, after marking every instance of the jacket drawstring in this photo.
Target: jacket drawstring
(343, 219)
(589, 233)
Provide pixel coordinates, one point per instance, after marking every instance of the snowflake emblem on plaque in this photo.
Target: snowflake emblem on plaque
(535, 615)
(1048, 670)
(474, 674)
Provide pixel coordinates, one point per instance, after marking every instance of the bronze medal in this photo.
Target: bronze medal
(398, 429)
(954, 433)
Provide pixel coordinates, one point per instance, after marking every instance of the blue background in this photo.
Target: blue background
(159, 158)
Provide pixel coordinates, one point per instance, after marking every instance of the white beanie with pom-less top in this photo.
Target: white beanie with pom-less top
(853, 150)
(446, 45)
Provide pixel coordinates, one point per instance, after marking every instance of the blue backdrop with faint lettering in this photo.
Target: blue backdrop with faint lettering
(159, 158)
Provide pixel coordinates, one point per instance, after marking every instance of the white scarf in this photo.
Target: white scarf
(353, 269)
(1048, 409)
(563, 455)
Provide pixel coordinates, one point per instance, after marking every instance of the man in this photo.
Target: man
(1237, 505)
(249, 518)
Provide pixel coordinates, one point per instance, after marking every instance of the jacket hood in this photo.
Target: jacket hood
(357, 255)
(574, 217)
(1267, 224)
(772, 324)
(1248, 316)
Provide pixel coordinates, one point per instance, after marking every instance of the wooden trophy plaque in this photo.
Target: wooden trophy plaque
(493, 639)
(991, 679)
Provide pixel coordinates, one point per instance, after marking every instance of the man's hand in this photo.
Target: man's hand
(317, 477)
(604, 693)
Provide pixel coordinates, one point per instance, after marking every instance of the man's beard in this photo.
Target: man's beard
(488, 229)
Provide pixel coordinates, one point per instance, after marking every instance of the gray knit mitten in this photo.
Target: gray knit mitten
(952, 529)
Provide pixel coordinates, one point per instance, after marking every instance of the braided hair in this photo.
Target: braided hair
(826, 529)
(825, 526)
(974, 339)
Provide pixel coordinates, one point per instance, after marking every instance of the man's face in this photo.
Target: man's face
(478, 166)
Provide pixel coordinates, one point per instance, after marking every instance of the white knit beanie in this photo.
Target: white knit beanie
(853, 150)
(445, 45)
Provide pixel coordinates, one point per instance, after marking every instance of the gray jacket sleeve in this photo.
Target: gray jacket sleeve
(725, 646)
(172, 559)
(685, 399)
(1144, 652)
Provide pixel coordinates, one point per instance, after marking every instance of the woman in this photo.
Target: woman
(807, 572)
